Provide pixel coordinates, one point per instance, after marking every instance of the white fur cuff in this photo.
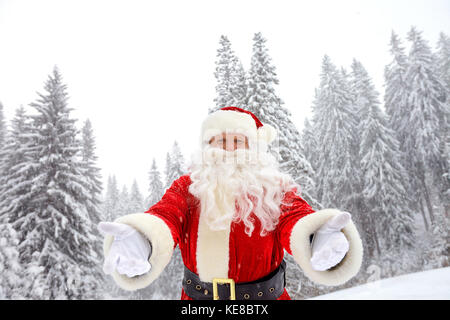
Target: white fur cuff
(158, 233)
(301, 249)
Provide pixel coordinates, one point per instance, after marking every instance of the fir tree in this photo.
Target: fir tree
(93, 178)
(396, 104)
(337, 164)
(268, 107)
(16, 170)
(239, 88)
(58, 225)
(350, 87)
(443, 60)
(437, 254)
(155, 190)
(385, 195)
(224, 73)
(11, 279)
(2, 127)
(174, 165)
(335, 125)
(123, 206)
(396, 92)
(136, 200)
(91, 172)
(443, 66)
(167, 172)
(426, 118)
(15, 189)
(309, 141)
(230, 76)
(111, 202)
(262, 79)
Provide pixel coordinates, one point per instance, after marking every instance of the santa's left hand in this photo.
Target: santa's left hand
(330, 245)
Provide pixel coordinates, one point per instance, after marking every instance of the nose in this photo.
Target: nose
(229, 146)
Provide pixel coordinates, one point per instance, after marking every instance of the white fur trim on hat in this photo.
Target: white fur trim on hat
(267, 133)
(231, 121)
(160, 237)
(301, 249)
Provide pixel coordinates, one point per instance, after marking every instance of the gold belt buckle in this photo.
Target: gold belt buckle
(223, 281)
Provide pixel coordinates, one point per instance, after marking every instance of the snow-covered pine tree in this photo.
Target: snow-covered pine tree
(11, 279)
(443, 59)
(16, 171)
(350, 87)
(364, 96)
(123, 206)
(167, 173)
(136, 199)
(262, 78)
(93, 178)
(3, 134)
(155, 189)
(426, 118)
(111, 201)
(230, 76)
(443, 66)
(334, 124)
(239, 88)
(385, 195)
(58, 227)
(309, 142)
(175, 167)
(396, 91)
(2, 127)
(437, 254)
(91, 171)
(15, 189)
(337, 166)
(396, 105)
(224, 73)
(263, 101)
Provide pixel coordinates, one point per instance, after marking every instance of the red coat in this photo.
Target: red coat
(250, 258)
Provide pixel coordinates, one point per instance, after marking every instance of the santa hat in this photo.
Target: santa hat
(237, 120)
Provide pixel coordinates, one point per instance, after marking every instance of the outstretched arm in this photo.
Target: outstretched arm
(299, 222)
(161, 225)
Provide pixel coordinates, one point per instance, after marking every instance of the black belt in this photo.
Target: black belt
(269, 287)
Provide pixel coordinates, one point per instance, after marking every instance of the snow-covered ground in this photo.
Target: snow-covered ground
(426, 285)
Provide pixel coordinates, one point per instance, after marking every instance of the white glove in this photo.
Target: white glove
(129, 251)
(329, 244)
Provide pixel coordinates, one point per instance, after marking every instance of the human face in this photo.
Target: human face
(229, 141)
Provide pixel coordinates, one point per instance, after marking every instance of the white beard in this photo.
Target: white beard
(231, 185)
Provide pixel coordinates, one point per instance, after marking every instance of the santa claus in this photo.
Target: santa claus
(233, 216)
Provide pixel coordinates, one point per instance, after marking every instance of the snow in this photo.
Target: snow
(425, 285)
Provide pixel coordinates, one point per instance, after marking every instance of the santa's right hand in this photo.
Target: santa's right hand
(129, 251)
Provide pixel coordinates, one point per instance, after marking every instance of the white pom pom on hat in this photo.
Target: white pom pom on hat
(236, 120)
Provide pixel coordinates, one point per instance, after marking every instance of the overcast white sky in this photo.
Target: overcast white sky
(142, 71)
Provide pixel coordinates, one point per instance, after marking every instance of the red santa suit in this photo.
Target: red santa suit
(175, 220)
(232, 253)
